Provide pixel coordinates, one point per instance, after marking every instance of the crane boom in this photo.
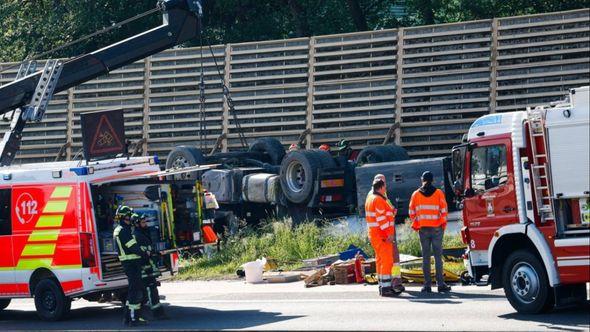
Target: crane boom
(180, 24)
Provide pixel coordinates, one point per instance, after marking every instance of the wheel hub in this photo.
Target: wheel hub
(295, 177)
(48, 301)
(525, 282)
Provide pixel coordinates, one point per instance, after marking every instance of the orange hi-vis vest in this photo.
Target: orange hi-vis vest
(428, 211)
(380, 216)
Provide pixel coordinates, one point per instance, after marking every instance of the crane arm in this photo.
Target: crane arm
(180, 24)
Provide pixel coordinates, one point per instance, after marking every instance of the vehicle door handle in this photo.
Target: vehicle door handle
(508, 209)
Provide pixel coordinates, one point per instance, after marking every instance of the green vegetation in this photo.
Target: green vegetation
(287, 246)
(29, 27)
(409, 241)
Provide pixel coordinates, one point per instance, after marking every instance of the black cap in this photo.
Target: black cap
(427, 176)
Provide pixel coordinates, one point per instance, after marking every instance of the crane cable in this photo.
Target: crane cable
(34, 57)
(202, 96)
(229, 100)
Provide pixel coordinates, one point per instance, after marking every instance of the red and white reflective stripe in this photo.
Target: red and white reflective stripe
(443, 210)
(428, 217)
(427, 207)
(385, 226)
(389, 213)
(371, 214)
(379, 211)
(412, 211)
(372, 224)
(381, 218)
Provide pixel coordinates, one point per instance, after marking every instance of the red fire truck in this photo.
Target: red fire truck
(56, 228)
(525, 183)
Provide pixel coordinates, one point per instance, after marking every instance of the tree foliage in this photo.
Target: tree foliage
(29, 27)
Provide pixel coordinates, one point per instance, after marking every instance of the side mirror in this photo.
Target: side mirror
(469, 192)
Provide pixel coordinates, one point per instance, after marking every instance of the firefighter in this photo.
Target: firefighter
(428, 212)
(130, 255)
(150, 269)
(380, 215)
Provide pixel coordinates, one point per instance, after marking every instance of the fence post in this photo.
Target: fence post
(399, 84)
(146, 104)
(494, 66)
(225, 116)
(310, 91)
(70, 124)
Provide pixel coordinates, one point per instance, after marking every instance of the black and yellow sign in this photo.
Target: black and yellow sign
(103, 134)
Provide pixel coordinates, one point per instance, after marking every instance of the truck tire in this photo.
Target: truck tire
(526, 284)
(4, 303)
(50, 301)
(299, 171)
(381, 154)
(271, 146)
(184, 156)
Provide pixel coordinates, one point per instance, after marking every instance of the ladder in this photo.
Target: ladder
(540, 163)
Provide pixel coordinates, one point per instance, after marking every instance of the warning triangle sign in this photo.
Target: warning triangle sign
(105, 138)
(103, 133)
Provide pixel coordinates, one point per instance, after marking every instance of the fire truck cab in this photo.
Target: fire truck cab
(56, 227)
(525, 184)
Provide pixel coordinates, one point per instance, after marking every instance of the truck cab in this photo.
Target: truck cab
(524, 179)
(56, 227)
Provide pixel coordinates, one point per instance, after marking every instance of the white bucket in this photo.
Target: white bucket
(254, 271)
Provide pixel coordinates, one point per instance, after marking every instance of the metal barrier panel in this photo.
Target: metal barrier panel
(433, 81)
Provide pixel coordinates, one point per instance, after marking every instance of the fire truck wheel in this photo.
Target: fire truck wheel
(526, 284)
(50, 301)
(381, 154)
(299, 171)
(184, 156)
(4, 303)
(271, 146)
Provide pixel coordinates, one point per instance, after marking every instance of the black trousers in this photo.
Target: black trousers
(152, 295)
(132, 269)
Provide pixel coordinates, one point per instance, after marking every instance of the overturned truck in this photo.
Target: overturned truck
(266, 181)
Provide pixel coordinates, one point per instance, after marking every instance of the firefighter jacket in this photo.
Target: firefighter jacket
(127, 245)
(428, 208)
(380, 215)
(149, 265)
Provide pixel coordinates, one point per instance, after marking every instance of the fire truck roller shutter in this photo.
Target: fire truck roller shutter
(271, 147)
(381, 153)
(299, 171)
(184, 156)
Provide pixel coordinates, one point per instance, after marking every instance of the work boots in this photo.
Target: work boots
(444, 288)
(388, 292)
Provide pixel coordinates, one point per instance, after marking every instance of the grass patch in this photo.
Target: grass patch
(409, 241)
(289, 246)
(276, 240)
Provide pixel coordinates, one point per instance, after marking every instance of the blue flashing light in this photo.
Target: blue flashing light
(79, 170)
(156, 159)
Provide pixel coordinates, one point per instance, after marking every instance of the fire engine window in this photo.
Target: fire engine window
(488, 167)
(5, 223)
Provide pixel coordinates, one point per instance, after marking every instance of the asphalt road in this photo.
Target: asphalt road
(236, 305)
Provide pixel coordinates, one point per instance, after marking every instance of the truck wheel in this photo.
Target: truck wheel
(271, 146)
(381, 154)
(184, 156)
(50, 301)
(299, 171)
(4, 303)
(526, 284)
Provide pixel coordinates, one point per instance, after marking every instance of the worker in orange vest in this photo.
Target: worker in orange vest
(428, 212)
(380, 217)
(396, 271)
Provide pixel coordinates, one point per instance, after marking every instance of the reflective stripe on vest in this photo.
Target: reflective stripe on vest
(123, 256)
(428, 217)
(427, 207)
